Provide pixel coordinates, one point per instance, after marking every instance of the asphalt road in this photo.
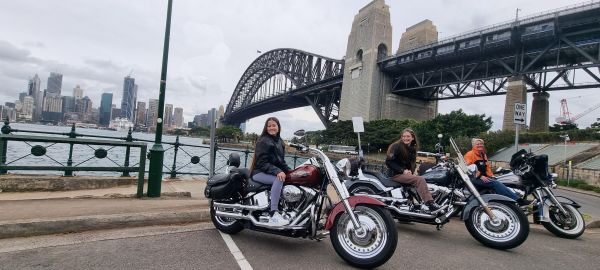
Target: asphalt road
(200, 246)
(590, 205)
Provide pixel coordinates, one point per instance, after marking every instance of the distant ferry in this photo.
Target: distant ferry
(120, 124)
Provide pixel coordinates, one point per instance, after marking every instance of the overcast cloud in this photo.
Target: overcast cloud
(95, 43)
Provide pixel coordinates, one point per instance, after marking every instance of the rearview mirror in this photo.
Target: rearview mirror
(300, 132)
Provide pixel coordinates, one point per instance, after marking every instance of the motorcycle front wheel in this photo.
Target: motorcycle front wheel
(224, 224)
(569, 226)
(509, 231)
(371, 247)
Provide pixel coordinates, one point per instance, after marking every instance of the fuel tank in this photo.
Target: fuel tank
(304, 175)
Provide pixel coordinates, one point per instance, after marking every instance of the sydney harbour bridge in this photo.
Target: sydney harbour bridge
(540, 53)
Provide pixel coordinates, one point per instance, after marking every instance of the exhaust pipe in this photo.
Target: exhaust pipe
(254, 221)
(408, 213)
(238, 206)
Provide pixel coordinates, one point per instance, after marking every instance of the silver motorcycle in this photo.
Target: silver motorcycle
(494, 220)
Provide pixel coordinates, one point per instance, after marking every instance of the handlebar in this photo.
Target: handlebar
(297, 146)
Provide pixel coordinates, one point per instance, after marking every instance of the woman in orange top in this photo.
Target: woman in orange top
(484, 176)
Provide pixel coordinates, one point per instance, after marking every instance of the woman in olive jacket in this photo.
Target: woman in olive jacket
(401, 160)
(269, 167)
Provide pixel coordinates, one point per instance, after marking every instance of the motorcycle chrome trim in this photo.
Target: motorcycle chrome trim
(385, 199)
(412, 214)
(555, 201)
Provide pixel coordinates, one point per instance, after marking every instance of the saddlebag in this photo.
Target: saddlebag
(225, 186)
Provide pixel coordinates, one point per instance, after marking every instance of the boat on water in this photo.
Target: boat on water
(120, 124)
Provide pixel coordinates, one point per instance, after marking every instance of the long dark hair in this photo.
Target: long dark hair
(403, 148)
(263, 134)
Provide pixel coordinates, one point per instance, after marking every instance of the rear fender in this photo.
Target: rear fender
(486, 198)
(353, 201)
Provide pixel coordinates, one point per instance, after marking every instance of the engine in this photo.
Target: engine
(294, 197)
(438, 191)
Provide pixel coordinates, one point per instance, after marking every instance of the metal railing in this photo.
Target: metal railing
(195, 161)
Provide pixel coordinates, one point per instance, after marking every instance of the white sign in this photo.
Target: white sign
(520, 113)
(357, 123)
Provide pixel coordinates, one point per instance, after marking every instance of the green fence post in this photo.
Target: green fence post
(72, 135)
(174, 167)
(127, 153)
(246, 157)
(295, 158)
(141, 172)
(4, 145)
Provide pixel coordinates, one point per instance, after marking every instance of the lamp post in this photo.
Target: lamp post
(566, 139)
(157, 151)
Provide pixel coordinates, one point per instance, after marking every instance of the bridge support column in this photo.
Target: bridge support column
(516, 93)
(370, 39)
(398, 107)
(540, 112)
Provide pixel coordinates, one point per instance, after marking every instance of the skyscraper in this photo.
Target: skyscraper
(129, 98)
(168, 116)
(152, 114)
(140, 116)
(77, 92)
(54, 85)
(33, 89)
(178, 117)
(105, 109)
(68, 104)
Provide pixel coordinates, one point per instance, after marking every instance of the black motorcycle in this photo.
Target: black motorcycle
(494, 220)
(529, 176)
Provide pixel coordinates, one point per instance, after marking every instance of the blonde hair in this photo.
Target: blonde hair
(475, 140)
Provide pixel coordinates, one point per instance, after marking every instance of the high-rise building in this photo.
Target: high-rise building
(68, 104)
(178, 117)
(22, 95)
(220, 114)
(28, 108)
(9, 104)
(77, 92)
(83, 106)
(168, 116)
(54, 85)
(140, 115)
(105, 109)
(52, 104)
(152, 114)
(129, 98)
(209, 117)
(33, 90)
(201, 120)
(114, 113)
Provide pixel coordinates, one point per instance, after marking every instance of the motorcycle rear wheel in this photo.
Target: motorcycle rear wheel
(223, 224)
(372, 248)
(571, 226)
(510, 232)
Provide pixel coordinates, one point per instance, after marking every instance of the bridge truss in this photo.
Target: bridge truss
(547, 51)
(287, 78)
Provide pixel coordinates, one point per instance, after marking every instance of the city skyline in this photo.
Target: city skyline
(212, 44)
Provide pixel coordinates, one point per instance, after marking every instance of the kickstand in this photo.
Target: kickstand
(439, 227)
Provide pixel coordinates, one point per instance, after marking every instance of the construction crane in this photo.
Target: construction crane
(565, 117)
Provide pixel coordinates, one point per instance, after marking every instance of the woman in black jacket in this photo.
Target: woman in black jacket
(269, 167)
(401, 161)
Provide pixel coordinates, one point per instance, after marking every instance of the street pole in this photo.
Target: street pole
(157, 151)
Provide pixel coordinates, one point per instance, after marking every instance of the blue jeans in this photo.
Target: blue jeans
(276, 187)
(498, 187)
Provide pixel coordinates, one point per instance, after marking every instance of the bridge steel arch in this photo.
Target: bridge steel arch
(287, 78)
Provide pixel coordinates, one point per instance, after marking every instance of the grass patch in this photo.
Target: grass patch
(587, 218)
(579, 184)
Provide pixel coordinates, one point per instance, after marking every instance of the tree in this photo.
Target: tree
(563, 127)
(455, 124)
(228, 133)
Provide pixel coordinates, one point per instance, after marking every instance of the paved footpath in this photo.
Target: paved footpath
(38, 213)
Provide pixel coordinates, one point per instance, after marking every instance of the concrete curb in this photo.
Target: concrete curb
(26, 228)
(593, 225)
(590, 193)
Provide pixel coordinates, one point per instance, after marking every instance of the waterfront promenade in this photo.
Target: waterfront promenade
(52, 212)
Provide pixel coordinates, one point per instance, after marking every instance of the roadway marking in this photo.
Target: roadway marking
(235, 251)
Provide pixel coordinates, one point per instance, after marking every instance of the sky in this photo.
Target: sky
(96, 43)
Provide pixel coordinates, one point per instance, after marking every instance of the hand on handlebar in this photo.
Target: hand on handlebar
(281, 176)
(484, 179)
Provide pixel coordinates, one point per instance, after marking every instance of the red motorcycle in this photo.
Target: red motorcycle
(361, 229)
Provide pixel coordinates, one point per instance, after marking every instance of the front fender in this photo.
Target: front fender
(353, 201)
(473, 202)
(565, 200)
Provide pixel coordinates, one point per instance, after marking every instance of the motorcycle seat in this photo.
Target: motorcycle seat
(386, 181)
(254, 186)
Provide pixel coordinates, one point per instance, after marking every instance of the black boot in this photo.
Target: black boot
(433, 207)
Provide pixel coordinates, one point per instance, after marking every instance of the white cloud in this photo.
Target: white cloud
(95, 43)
